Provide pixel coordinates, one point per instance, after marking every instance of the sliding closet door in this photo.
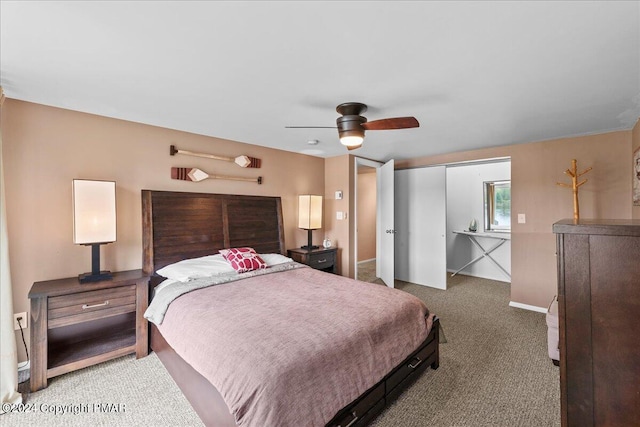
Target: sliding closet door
(421, 223)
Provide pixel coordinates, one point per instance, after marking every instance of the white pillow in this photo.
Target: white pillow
(275, 259)
(209, 266)
(196, 268)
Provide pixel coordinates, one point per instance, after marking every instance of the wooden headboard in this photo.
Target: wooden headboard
(180, 225)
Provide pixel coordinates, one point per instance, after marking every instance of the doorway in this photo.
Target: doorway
(366, 216)
(384, 213)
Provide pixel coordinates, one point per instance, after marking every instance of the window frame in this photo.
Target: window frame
(489, 206)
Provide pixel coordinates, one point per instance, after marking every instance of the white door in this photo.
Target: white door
(421, 225)
(385, 242)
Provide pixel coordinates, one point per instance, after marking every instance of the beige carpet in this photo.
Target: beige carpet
(494, 371)
(148, 395)
(367, 272)
(494, 368)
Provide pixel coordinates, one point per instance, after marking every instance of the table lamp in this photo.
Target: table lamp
(309, 216)
(94, 221)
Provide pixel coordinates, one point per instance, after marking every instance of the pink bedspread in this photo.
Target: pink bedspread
(293, 348)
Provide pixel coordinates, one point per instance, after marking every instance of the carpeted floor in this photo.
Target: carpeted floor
(494, 371)
(367, 272)
(494, 367)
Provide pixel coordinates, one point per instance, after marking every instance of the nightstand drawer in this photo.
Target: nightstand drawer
(322, 260)
(70, 309)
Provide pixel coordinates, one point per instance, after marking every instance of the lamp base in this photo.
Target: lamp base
(96, 274)
(309, 245)
(90, 277)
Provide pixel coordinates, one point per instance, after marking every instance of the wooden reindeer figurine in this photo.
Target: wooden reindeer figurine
(573, 173)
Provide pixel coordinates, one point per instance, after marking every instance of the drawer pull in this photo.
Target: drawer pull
(85, 306)
(319, 262)
(414, 366)
(355, 418)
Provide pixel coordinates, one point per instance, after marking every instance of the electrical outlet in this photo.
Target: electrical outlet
(24, 321)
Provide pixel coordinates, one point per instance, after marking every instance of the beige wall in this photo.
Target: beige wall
(338, 176)
(366, 211)
(635, 142)
(535, 169)
(45, 148)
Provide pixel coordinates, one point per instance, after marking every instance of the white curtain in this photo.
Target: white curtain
(8, 354)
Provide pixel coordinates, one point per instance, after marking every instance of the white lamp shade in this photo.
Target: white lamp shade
(94, 211)
(309, 212)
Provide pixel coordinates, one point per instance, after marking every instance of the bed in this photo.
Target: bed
(352, 380)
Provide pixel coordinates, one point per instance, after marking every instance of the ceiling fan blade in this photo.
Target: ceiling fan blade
(394, 123)
(311, 127)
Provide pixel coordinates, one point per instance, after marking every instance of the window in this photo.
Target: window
(497, 206)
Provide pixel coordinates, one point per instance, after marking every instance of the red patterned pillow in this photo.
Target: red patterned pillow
(243, 259)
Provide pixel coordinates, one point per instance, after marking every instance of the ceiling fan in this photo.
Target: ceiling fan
(351, 125)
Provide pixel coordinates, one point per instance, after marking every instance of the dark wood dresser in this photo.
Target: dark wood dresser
(599, 315)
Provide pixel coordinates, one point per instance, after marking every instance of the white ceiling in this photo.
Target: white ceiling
(475, 74)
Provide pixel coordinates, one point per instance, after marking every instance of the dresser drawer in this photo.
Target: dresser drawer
(80, 307)
(322, 260)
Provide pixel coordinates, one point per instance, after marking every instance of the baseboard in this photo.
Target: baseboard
(464, 273)
(366, 260)
(527, 307)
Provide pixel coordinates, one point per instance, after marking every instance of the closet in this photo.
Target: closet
(430, 204)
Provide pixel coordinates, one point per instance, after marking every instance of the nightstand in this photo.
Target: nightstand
(320, 259)
(76, 325)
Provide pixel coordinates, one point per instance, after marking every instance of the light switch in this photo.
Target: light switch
(338, 195)
(339, 215)
(521, 219)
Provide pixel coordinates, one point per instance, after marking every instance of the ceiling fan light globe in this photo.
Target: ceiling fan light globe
(351, 141)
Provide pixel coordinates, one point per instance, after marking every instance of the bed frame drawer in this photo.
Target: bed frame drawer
(361, 411)
(71, 309)
(416, 363)
(365, 409)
